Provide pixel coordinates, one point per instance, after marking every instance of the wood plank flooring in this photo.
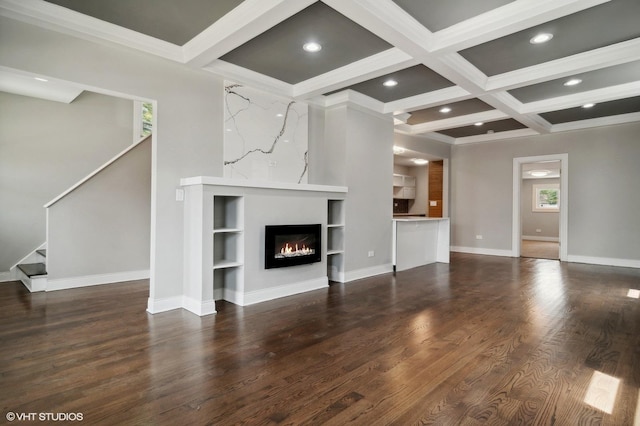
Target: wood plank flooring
(483, 340)
(540, 249)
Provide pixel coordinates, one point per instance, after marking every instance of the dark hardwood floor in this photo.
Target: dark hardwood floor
(483, 340)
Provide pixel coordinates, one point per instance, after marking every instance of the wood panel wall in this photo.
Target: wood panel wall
(436, 169)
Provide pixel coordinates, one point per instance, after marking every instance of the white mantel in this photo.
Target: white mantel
(244, 183)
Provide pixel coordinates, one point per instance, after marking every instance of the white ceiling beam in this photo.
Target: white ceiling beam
(351, 97)
(505, 20)
(66, 21)
(511, 106)
(605, 94)
(388, 21)
(597, 122)
(428, 100)
(246, 21)
(619, 53)
(490, 137)
(460, 121)
(385, 62)
(256, 80)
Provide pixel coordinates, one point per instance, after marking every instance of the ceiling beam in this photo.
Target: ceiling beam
(246, 21)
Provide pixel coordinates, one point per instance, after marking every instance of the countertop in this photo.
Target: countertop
(417, 218)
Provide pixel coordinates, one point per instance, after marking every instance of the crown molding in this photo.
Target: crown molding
(248, 20)
(505, 20)
(460, 121)
(382, 63)
(491, 137)
(428, 100)
(620, 91)
(616, 54)
(596, 122)
(256, 80)
(60, 19)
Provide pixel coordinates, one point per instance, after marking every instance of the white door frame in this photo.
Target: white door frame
(564, 200)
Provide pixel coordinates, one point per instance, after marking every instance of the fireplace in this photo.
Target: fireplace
(291, 245)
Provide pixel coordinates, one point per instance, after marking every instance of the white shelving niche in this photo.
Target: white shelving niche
(228, 246)
(335, 239)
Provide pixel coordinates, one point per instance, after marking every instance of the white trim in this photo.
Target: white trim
(98, 279)
(58, 18)
(155, 306)
(509, 134)
(353, 98)
(7, 276)
(505, 20)
(359, 274)
(218, 181)
(200, 308)
(537, 238)
(481, 250)
(462, 120)
(257, 296)
(95, 172)
(29, 258)
(607, 261)
(596, 122)
(237, 74)
(382, 63)
(516, 218)
(438, 97)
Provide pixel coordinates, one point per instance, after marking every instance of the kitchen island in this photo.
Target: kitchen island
(419, 241)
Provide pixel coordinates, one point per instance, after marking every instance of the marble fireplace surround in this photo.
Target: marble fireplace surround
(255, 204)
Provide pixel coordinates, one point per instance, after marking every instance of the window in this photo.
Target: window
(142, 119)
(546, 198)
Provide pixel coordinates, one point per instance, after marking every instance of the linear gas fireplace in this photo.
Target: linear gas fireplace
(290, 245)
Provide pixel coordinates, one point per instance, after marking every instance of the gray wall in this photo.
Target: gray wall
(369, 177)
(45, 147)
(603, 202)
(188, 131)
(357, 152)
(102, 227)
(547, 222)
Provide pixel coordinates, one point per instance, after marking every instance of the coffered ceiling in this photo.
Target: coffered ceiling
(474, 57)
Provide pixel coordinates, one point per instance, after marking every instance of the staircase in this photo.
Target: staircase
(34, 275)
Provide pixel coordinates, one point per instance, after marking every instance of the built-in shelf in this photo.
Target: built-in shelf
(228, 239)
(335, 239)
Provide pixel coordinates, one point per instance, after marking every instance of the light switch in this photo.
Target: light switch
(433, 203)
(179, 194)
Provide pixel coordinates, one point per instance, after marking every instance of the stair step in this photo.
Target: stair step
(33, 269)
(42, 252)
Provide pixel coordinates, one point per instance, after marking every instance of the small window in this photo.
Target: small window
(546, 198)
(142, 120)
(147, 118)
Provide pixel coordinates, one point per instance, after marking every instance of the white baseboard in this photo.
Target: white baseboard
(367, 272)
(537, 238)
(624, 263)
(336, 276)
(89, 280)
(484, 251)
(258, 296)
(155, 306)
(199, 308)
(7, 276)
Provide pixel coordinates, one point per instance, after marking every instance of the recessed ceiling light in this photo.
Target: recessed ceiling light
(279, 115)
(445, 110)
(41, 79)
(589, 105)
(479, 123)
(419, 161)
(573, 82)
(541, 38)
(539, 173)
(312, 46)
(390, 83)
(398, 150)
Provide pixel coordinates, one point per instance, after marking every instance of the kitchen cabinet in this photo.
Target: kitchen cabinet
(404, 187)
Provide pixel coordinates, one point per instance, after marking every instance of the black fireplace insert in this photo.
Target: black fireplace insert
(291, 245)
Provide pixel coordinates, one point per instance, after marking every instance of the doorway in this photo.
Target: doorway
(540, 203)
